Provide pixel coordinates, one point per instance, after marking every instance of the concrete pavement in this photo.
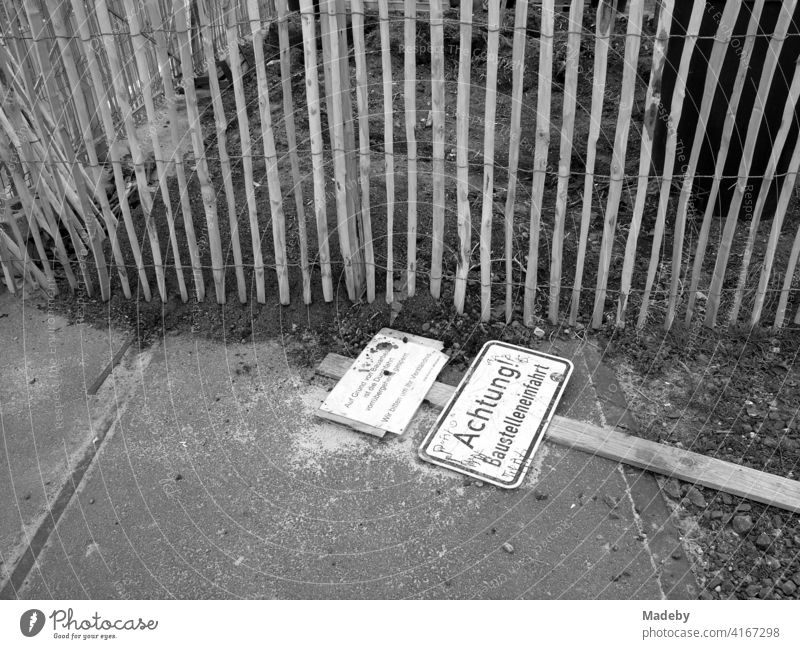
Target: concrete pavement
(48, 368)
(215, 480)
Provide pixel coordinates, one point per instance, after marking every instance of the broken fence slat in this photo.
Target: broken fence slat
(613, 445)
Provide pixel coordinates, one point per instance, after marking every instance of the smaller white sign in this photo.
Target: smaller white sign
(497, 416)
(387, 383)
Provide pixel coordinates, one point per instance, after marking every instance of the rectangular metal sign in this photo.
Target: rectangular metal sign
(387, 383)
(497, 416)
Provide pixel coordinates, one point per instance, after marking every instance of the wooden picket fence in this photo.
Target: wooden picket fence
(76, 74)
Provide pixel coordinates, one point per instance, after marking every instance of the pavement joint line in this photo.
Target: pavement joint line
(645, 501)
(98, 382)
(102, 427)
(637, 519)
(599, 401)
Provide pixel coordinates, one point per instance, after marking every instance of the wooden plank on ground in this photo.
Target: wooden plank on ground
(611, 444)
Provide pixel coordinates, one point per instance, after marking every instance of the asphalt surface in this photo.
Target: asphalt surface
(48, 370)
(208, 476)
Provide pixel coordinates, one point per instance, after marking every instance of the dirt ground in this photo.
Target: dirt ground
(729, 393)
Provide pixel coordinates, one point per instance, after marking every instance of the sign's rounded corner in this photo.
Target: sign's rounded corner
(515, 484)
(488, 344)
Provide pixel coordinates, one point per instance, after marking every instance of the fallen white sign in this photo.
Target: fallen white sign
(497, 416)
(386, 384)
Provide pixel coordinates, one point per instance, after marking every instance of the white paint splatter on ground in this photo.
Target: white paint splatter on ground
(317, 444)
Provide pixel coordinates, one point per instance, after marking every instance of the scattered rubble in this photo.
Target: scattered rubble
(742, 524)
